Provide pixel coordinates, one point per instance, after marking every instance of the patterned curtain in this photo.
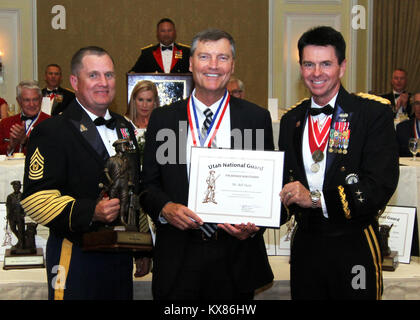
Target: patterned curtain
(396, 43)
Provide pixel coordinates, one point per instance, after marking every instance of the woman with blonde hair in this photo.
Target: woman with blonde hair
(144, 98)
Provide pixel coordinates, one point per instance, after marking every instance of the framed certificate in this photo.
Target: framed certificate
(401, 233)
(236, 186)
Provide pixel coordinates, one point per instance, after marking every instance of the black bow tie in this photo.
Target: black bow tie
(52, 91)
(396, 95)
(24, 118)
(166, 48)
(325, 110)
(100, 121)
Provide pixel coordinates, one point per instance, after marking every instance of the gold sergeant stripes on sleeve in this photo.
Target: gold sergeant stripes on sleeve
(44, 206)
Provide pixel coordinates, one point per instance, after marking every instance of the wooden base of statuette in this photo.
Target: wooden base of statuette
(23, 261)
(390, 262)
(119, 241)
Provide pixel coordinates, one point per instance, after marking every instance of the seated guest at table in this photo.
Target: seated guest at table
(166, 56)
(144, 98)
(399, 97)
(53, 90)
(3, 108)
(15, 130)
(236, 88)
(409, 128)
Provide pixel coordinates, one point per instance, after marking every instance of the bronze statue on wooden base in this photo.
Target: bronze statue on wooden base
(123, 233)
(390, 258)
(16, 215)
(24, 254)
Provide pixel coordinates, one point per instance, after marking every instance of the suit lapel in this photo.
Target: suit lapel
(176, 55)
(40, 118)
(235, 119)
(86, 130)
(181, 129)
(298, 128)
(157, 54)
(343, 112)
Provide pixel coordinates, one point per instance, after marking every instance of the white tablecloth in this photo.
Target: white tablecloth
(10, 170)
(30, 284)
(407, 193)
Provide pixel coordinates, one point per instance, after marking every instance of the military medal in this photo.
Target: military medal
(315, 167)
(340, 135)
(197, 137)
(319, 135)
(178, 54)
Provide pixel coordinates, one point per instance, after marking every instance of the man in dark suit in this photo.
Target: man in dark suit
(166, 56)
(399, 97)
(63, 169)
(236, 88)
(409, 128)
(341, 168)
(188, 263)
(62, 97)
(15, 130)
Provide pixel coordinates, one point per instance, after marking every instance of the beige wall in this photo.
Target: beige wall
(293, 17)
(123, 27)
(18, 44)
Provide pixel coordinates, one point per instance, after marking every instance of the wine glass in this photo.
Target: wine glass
(418, 145)
(412, 146)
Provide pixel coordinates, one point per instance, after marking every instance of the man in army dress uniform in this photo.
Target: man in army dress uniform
(340, 170)
(63, 170)
(166, 56)
(61, 96)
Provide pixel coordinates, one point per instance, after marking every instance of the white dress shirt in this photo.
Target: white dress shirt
(109, 136)
(167, 58)
(316, 179)
(222, 135)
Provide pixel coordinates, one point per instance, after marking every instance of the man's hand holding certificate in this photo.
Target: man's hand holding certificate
(238, 187)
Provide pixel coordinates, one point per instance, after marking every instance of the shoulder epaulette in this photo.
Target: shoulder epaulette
(150, 45)
(68, 89)
(373, 97)
(296, 104)
(184, 45)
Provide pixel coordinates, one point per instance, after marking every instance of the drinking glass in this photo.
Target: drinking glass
(412, 146)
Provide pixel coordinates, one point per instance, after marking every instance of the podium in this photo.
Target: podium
(171, 87)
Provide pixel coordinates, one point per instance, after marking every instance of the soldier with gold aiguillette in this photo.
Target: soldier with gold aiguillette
(340, 170)
(166, 56)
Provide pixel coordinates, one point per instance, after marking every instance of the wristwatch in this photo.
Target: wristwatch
(315, 196)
